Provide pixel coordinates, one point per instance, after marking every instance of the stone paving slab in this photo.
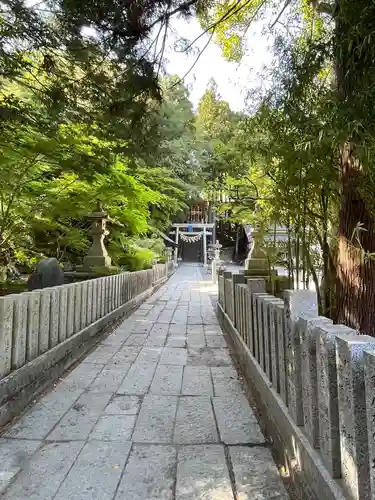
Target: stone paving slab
(202, 474)
(215, 341)
(173, 356)
(167, 380)
(123, 405)
(40, 420)
(207, 356)
(195, 340)
(195, 422)
(177, 329)
(176, 341)
(82, 376)
(236, 422)
(255, 474)
(155, 412)
(127, 354)
(156, 420)
(113, 428)
(74, 425)
(96, 472)
(225, 381)
(44, 473)
(136, 339)
(101, 355)
(110, 378)
(14, 456)
(149, 355)
(197, 381)
(156, 340)
(150, 473)
(138, 379)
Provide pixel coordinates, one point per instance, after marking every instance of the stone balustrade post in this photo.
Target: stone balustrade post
(221, 297)
(240, 309)
(227, 295)
(84, 298)
(306, 329)
(355, 467)
(269, 340)
(237, 279)
(328, 409)
(281, 358)
(6, 329)
(54, 317)
(369, 361)
(258, 327)
(254, 285)
(296, 303)
(63, 311)
(33, 318)
(70, 313)
(77, 306)
(44, 321)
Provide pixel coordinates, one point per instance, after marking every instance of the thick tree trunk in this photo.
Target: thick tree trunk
(237, 243)
(356, 273)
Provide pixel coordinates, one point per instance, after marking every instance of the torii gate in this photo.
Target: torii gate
(181, 230)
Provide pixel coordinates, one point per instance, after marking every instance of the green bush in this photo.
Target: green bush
(162, 259)
(106, 271)
(136, 260)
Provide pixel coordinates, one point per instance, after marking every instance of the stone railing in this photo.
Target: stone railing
(315, 383)
(54, 326)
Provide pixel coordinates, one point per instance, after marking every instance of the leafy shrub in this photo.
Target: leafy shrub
(106, 271)
(136, 260)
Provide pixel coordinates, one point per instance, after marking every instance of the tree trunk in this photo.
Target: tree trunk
(236, 247)
(356, 273)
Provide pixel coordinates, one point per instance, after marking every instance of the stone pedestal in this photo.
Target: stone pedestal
(256, 259)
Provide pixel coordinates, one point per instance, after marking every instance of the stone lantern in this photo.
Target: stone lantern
(97, 256)
(216, 260)
(217, 248)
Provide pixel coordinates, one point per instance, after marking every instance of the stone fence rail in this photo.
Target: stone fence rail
(40, 329)
(315, 382)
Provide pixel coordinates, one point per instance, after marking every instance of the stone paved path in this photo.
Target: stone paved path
(156, 412)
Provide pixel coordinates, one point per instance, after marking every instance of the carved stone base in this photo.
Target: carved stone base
(91, 261)
(256, 263)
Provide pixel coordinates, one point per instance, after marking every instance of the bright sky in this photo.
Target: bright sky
(233, 80)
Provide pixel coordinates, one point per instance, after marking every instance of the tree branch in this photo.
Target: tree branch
(168, 15)
(280, 13)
